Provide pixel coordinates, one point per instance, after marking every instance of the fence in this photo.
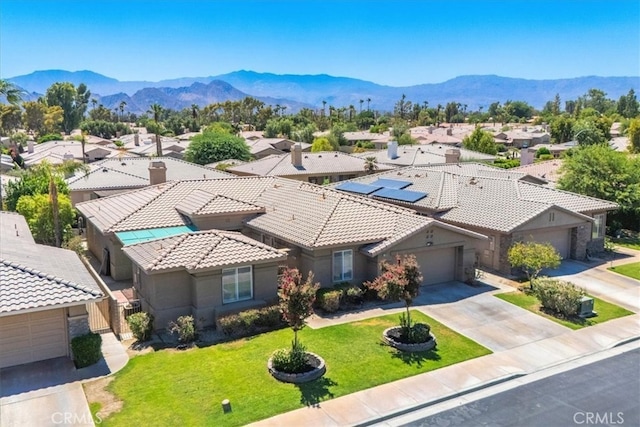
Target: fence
(99, 316)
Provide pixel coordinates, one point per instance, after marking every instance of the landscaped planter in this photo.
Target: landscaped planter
(317, 362)
(390, 336)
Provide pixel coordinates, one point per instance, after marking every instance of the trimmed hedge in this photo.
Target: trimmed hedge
(250, 322)
(87, 349)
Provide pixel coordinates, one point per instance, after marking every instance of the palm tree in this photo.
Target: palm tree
(324, 104)
(361, 102)
(368, 101)
(11, 92)
(156, 109)
(94, 102)
(121, 107)
(370, 164)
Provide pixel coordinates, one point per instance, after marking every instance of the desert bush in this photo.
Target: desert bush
(559, 296)
(185, 328)
(328, 299)
(141, 325)
(87, 349)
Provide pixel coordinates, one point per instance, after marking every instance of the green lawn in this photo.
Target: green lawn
(631, 270)
(606, 311)
(171, 387)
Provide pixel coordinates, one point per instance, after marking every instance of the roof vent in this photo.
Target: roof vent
(105, 170)
(123, 163)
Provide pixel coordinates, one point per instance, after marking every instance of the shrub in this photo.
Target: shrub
(558, 296)
(291, 361)
(76, 244)
(353, 295)
(141, 325)
(413, 334)
(185, 328)
(329, 299)
(50, 137)
(251, 321)
(542, 151)
(87, 349)
(544, 157)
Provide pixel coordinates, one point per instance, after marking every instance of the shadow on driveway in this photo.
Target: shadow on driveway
(451, 292)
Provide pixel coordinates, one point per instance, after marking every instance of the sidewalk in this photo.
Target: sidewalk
(544, 345)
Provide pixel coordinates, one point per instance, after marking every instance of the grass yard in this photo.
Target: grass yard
(631, 270)
(627, 242)
(606, 311)
(171, 387)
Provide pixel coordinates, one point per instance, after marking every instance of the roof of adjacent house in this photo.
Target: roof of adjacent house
(326, 162)
(473, 195)
(417, 155)
(547, 170)
(307, 215)
(56, 152)
(202, 250)
(133, 172)
(34, 276)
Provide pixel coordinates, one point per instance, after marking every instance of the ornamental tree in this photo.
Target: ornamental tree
(398, 281)
(533, 257)
(296, 299)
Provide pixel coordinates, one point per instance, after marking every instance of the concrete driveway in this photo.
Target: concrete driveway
(43, 394)
(476, 313)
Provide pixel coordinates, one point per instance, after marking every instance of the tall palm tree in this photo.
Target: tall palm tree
(121, 108)
(156, 109)
(361, 102)
(370, 164)
(324, 104)
(11, 92)
(94, 102)
(368, 101)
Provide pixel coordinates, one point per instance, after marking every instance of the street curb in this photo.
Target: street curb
(625, 341)
(432, 402)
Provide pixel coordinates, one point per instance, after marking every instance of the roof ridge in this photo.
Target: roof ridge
(319, 233)
(56, 279)
(440, 189)
(170, 249)
(207, 250)
(565, 192)
(170, 184)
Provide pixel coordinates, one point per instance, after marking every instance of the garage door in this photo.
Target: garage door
(437, 265)
(26, 338)
(560, 239)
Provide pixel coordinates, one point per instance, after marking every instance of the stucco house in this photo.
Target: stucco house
(116, 175)
(44, 295)
(315, 168)
(420, 155)
(218, 243)
(504, 205)
(263, 147)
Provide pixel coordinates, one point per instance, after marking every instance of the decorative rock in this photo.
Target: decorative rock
(388, 336)
(319, 369)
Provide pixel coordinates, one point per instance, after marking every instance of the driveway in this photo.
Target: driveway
(476, 313)
(43, 394)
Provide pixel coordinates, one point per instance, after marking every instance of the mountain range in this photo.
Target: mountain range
(299, 91)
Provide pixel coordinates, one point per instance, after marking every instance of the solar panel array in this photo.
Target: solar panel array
(385, 188)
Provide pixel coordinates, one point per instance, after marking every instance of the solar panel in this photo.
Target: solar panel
(391, 183)
(358, 188)
(401, 195)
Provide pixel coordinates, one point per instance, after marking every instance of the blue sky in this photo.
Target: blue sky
(397, 43)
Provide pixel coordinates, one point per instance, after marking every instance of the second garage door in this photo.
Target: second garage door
(438, 265)
(31, 337)
(560, 239)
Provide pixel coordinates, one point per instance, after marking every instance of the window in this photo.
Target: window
(597, 230)
(342, 265)
(237, 284)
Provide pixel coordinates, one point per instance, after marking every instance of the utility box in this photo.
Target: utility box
(585, 308)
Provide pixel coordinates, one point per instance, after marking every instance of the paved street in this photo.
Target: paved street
(602, 393)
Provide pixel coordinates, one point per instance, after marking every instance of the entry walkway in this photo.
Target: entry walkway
(525, 347)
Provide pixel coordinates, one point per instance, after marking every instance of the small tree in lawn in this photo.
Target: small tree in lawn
(296, 299)
(533, 257)
(399, 281)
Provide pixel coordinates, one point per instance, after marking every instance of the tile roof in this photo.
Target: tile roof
(56, 152)
(133, 172)
(305, 214)
(199, 251)
(492, 199)
(328, 162)
(547, 170)
(417, 155)
(35, 276)
(200, 202)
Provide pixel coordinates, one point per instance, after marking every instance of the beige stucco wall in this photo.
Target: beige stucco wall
(553, 218)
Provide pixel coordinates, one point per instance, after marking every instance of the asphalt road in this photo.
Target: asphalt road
(604, 393)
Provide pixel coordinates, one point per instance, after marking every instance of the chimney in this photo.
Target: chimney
(136, 139)
(430, 130)
(296, 155)
(157, 173)
(526, 156)
(449, 131)
(30, 145)
(392, 150)
(452, 156)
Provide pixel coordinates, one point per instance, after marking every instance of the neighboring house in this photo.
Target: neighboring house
(420, 155)
(57, 152)
(44, 295)
(263, 147)
(144, 145)
(380, 140)
(179, 241)
(548, 170)
(117, 175)
(520, 138)
(501, 204)
(316, 168)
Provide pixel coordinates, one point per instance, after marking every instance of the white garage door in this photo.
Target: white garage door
(437, 265)
(560, 239)
(26, 338)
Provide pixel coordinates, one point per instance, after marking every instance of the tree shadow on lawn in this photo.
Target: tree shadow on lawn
(413, 358)
(314, 392)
